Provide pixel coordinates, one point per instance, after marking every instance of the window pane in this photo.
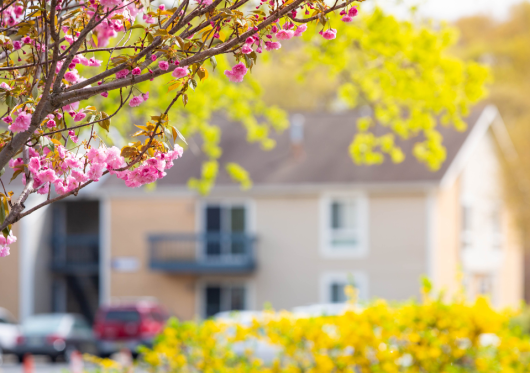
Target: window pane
(336, 222)
(238, 219)
(237, 227)
(213, 300)
(213, 225)
(350, 221)
(237, 298)
(343, 215)
(337, 293)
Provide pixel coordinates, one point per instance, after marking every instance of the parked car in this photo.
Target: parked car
(9, 331)
(127, 326)
(55, 335)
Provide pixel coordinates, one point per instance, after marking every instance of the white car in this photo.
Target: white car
(9, 331)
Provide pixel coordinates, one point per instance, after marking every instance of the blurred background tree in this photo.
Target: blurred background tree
(505, 47)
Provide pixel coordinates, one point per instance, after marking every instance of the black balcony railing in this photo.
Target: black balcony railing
(212, 253)
(75, 253)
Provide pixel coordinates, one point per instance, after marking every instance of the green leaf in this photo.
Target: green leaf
(105, 123)
(16, 173)
(180, 135)
(35, 92)
(214, 62)
(192, 83)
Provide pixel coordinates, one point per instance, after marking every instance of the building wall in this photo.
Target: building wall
(131, 221)
(447, 222)
(9, 278)
(291, 265)
(489, 254)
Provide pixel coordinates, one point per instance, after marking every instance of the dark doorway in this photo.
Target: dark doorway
(75, 257)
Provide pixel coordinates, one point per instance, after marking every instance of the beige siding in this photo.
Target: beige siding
(446, 274)
(132, 220)
(291, 265)
(9, 279)
(511, 274)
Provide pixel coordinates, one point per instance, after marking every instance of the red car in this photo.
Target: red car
(128, 326)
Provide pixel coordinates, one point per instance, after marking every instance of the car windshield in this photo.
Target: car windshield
(42, 324)
(124, 316)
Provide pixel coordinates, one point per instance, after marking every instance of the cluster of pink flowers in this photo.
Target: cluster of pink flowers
(151, 170)
(137, 100)
(5, 242)
(237, 73)
(21, 122)
(12, 15)
(287, 32)
(348, 16)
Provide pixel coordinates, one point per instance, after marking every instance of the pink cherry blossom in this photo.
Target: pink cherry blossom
(79, 176)
(163, 65)
(51, 123)
(5, 86)
(95, 155)
(237, 73)
(5, 242)
(96, 171)
(145, 96)
(246, 49)
(347, 19)
(179, 72)
(34, 164)
(122, 74)
(71, 76)
(44, 189)
(21, 123)
(136, 101)
(285, 34)
(60, 187)
(300, 30)
(329, 34)
(73, 137)
(105, 94)
(79, 116)
(17, 45)
(16, 162)
(136, 71)
(153, 57)
(272, 45)
(352, 12)
(47, 176)
(8, 120)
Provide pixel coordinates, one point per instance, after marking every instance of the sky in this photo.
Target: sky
(453, 9)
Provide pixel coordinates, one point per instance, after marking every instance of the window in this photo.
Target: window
(225, 227)
(333, 286)
(224, 297)
(344, 222)
(496, 227)
(467, 225)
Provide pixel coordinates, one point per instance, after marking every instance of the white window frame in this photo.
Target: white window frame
(326, 249)
(203, 283)
(327, 279)
(466, 235)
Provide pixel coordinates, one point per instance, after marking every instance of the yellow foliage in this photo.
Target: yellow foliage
(431, 336)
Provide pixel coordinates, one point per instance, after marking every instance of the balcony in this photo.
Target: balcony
(75, 254)
(207, 253)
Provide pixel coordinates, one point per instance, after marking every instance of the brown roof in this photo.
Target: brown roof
(325, 158)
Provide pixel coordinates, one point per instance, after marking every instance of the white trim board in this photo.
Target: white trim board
(483, 123)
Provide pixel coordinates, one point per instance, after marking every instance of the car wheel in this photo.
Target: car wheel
(68, 353)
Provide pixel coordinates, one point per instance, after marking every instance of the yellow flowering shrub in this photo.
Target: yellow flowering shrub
(431, 336)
